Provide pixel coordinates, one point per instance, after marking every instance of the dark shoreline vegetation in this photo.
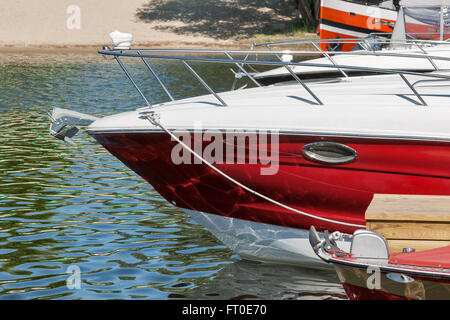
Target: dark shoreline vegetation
(239, 19)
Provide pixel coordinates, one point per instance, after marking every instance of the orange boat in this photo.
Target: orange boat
(356, 19)
(343, 19)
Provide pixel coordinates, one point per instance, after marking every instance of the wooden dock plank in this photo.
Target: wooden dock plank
(410, 221)
(411, 230)
(409, 207)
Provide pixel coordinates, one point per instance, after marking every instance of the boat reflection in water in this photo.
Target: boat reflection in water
(253, 280)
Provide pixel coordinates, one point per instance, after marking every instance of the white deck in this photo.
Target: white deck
(380, 106)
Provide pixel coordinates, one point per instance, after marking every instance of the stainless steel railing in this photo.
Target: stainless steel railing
(379, 40)
(366, 44)
(186, 55)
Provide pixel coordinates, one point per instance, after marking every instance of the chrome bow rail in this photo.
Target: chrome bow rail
(367, 43)
(375, 41)
(186, 56)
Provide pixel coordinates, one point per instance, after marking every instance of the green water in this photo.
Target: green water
(75, 205)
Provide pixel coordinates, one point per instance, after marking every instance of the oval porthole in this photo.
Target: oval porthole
(329, 152)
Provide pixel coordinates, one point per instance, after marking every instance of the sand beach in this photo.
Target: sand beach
(86, 24)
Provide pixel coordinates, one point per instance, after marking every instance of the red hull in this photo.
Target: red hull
(431, 286)
(426, 32)
(339, 192)
(363, 293)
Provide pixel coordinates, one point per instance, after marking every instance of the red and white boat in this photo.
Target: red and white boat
(341, 19)
(257, 167)
(428, 20)
(421, 29)
(369, 272)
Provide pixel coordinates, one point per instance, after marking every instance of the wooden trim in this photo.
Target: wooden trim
(410, 221)
(409, 208)
(411, 230)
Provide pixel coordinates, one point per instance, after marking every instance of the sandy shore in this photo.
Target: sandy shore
(84, 25)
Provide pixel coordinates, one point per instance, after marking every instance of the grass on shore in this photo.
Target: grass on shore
(294, 30)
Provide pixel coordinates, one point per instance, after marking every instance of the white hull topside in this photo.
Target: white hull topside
(371, 61)
(263, 242)
(373, 106)
(385, 7)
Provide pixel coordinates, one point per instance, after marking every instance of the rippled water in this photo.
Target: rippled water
(75, 206)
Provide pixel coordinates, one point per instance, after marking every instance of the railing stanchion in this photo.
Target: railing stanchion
(298, 79)
(243, 70)
(132, 81)
(204, 83)
(157, 78)
(413, 89)
(329, 58)
(429, 59)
